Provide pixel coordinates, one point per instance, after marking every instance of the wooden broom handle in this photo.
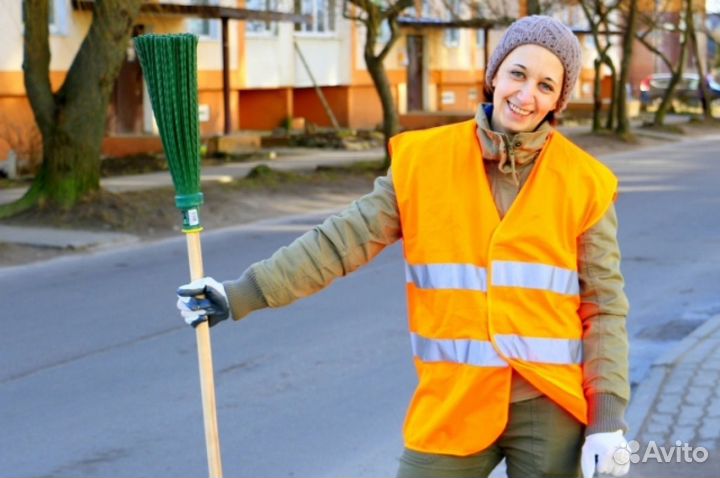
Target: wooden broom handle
(207, 382)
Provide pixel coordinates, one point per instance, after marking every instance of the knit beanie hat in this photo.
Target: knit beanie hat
(546, 32)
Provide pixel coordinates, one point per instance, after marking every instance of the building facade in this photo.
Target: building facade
(274, 67)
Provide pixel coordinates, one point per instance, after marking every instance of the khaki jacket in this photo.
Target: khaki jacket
(350, 239)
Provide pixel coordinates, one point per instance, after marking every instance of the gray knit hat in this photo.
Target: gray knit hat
(548, 33)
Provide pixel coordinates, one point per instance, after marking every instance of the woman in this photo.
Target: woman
(517, 314)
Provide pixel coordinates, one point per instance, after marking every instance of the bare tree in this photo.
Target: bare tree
(71, 120)
(372, 14)
(597, 14)
(505, 12)
(713, 33)
(702, 86)
(652, 23)
(622, 127)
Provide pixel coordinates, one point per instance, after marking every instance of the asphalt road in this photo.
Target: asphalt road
(99, 374)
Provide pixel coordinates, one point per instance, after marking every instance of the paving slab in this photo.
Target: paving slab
(667, 414)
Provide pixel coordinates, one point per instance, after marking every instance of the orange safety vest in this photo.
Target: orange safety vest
(488, 296)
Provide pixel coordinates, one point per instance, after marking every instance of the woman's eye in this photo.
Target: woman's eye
(517, 74)
(546, 87)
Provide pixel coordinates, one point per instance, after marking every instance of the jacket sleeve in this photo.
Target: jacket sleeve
(338, 246)
(603, 311)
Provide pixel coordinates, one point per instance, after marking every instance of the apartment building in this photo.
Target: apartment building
(269, 70)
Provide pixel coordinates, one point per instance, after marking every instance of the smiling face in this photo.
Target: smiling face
(527, 87)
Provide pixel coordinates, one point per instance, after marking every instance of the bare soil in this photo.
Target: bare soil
(151, 214)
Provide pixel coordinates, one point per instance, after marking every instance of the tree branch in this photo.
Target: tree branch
(397, 8)
(394, 35)
(656, 51)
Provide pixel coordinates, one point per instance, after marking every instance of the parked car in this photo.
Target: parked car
(652, 89)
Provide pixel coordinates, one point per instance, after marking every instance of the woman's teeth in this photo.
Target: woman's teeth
(518, 110)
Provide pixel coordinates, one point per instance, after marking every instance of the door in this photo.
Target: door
(127, 100)
(415, 73)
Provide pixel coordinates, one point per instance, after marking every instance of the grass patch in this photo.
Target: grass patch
(264, 177)
(24, 182)
(133, 164)
(150, 163)
(220, 158)
(360, 167)
(664, 128)
(702, 121)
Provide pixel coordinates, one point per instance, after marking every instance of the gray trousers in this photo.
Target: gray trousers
(541, 439)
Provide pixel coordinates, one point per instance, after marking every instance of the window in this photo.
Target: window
(322, 13)
(480, 38)
(452, 35)
(260, 27)
(58, 17)
(202, 27)
(429, 9)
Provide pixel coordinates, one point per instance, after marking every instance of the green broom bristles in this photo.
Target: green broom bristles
(169, 64)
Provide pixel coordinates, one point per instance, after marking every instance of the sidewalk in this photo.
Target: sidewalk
(674, 415)
(288, 159)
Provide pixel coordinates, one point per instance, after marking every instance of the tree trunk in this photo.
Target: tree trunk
(72, 120)
(534, 7)
(374, 14)
(597, 97)
(391, 120)
(662, 110)
(596, 13)
(623, 122)
(71, 162)
(702, 86)
(613, 106)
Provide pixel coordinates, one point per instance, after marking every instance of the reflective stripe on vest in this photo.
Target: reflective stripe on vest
(505, 274)
(481, 353)
(535, 276)
(540, 349)
(447, 276)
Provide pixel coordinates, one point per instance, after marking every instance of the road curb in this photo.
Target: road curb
(72, 239)
(647, 391)
(690, 341)
(642, 398)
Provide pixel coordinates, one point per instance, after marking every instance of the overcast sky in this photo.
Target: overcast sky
(712, 6)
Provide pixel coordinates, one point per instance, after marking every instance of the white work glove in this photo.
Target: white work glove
(213, 306)
(611, 452)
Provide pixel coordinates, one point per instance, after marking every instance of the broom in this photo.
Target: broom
(169, 64)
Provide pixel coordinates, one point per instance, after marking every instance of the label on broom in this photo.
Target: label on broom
(191, 219)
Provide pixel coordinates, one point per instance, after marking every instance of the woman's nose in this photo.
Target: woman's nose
(525, 94)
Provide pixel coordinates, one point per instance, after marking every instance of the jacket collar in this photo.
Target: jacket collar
(509, 150)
